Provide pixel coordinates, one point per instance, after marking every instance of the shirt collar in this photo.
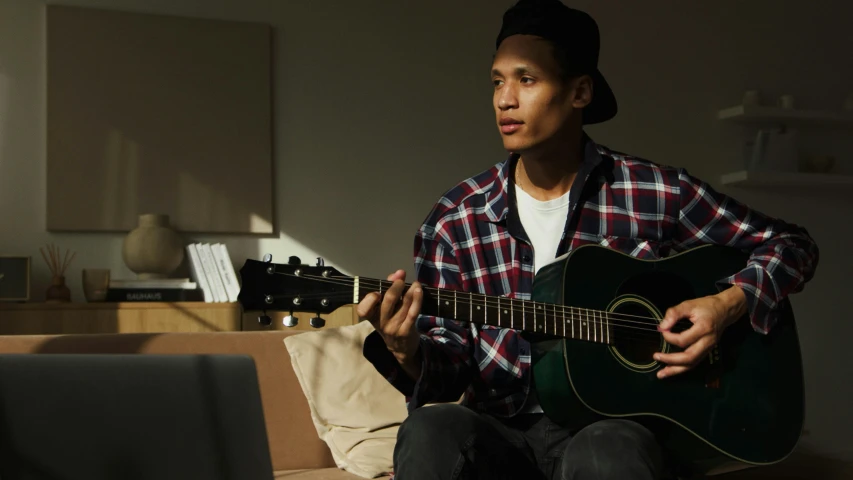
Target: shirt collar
(500, 195)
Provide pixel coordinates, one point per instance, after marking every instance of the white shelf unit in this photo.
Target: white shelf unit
(769, 179)
(785, 116)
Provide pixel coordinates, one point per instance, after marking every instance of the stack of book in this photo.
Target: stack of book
(211, 268)
(213, 280)
(157, 290)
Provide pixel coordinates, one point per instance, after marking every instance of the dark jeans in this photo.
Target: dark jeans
(450, 442)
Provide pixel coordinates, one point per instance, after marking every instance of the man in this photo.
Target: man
(491, 233)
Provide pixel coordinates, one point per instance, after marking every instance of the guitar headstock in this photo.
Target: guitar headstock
(294, 286)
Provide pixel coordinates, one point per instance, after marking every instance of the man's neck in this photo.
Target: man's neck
(549, 173)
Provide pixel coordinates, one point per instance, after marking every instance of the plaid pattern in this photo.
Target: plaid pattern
(473, 241)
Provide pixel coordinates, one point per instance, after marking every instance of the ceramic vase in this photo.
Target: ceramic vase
(57, 291)
(153, 249)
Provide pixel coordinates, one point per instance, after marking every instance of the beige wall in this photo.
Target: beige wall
(381, 106)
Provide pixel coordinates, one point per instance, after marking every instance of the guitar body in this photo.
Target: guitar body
(743, 406)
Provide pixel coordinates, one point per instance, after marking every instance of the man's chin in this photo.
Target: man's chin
(514, 146)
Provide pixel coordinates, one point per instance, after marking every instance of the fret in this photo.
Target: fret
(506, 311)
(576, 315)
(499, 311)
(579, 322)
(599, 327)
(572, 320)
(594, 327)
(534, 306)
(579, 318)
(572, 333)
(544, 320)
(536, 320)
(540, 318)
(588, 324)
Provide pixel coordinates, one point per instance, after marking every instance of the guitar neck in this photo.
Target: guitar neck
(523, 315)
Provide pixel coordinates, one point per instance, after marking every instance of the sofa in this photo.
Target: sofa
(296, 450)
(296, 447)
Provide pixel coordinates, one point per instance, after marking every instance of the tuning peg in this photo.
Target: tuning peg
(294, 260)
(265, 320)
(320, 262)
(290, 321)
(267, 258)
(317, 322)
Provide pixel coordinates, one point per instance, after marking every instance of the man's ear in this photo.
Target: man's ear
(581, 92)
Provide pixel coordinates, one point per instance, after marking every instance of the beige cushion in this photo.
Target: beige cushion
(354, 409)
(317, 474)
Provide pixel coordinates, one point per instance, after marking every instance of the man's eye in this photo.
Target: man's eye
(526, 80)
(497, 82)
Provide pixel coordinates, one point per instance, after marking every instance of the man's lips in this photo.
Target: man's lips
(509, 125)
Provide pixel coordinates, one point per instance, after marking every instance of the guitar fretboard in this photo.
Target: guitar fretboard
(525, 315)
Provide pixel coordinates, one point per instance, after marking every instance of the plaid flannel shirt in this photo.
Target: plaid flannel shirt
(473, 241)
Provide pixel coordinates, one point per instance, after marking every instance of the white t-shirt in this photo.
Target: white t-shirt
(543, 222)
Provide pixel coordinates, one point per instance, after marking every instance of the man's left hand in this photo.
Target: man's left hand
(710, 316)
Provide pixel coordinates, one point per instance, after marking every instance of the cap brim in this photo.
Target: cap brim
(603, 105)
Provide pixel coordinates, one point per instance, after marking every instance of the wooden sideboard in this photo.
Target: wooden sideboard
(147, 317)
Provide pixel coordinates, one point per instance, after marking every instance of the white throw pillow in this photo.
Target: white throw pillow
(354, 409)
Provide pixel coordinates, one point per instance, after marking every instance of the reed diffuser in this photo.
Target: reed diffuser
(58, 291)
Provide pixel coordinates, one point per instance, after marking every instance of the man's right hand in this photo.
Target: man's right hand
(394, 317)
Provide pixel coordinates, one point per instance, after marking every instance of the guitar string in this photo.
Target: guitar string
(534, 307)
(568, 314)
(625, 332)
(610, 316)
(616, 336)
(581, 329)
(495, 301)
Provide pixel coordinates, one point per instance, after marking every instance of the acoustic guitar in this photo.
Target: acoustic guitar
(592, 325)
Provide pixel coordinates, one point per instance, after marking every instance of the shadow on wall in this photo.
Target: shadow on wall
(400, 115)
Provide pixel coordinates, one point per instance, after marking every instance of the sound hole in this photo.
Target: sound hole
(635, 337)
